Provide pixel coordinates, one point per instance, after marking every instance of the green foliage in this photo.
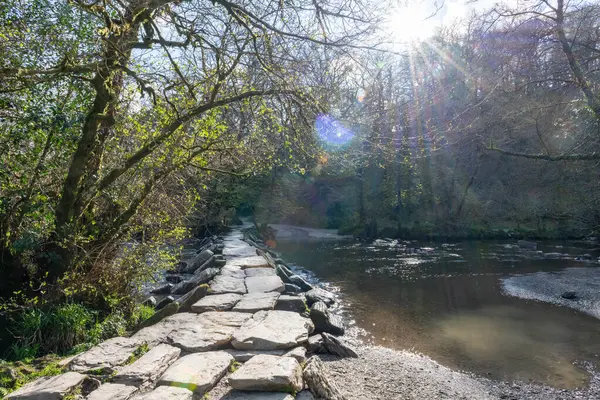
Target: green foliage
(139, 314)
(234, 366)
(68, 329)
(15, 375)
(137, 353)
(53, 330)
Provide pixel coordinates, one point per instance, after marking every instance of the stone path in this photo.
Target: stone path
(238, 321)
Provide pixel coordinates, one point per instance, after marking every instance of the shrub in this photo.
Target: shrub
(139, 314)
(53, 330)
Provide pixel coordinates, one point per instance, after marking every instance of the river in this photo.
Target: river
(447, 301)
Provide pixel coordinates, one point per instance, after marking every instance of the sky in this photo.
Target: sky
(417, 19)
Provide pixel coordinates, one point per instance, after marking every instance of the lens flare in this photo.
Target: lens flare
(332, 131)
(360, 95)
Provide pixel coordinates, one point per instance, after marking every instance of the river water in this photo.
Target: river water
(446, 301)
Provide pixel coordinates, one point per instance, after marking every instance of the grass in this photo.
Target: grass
(140, 351)
(66, 329)
(13, 375)
(234, 366)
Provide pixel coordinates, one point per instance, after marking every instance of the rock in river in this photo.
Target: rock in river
(325, 321)
(569, 295)
(318, 294)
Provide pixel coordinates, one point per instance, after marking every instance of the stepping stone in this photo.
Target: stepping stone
(245, 355)
(227, 284)
(299, 353)
(268, 373)
(197, 372)
(201, 337)
(263, 284)
(112, 391)
(238, 249)
(167, 393)
(158, 332)
(260, 272)
(148, 367)
(253, 302)
(272, 330)
(238, 395)
(249, 262)
(235, 319)
(291, 303)
(233, 271)
(107, 355)
(49, 388)
(217, 302)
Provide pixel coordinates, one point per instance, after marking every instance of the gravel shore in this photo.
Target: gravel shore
(549, 286)
(385, 374)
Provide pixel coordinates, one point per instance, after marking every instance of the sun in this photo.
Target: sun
(412, 21)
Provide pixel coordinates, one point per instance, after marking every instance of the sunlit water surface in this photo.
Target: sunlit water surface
(446, 301)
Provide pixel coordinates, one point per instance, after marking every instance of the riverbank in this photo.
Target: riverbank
(576, 288)
(382, 374)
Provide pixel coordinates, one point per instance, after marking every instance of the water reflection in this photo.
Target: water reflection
(416, 296)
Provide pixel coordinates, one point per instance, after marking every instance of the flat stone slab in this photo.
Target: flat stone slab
(245, 355)
(49, 388)
(234, 271)
(197, 372)
(238, 248)
(234, 319)
(249, 262)
(107, 355)
(201, 337)
(217, 302)
(263, 284)
(253, 302)
(113, 391)
(158, 332)
(167, 393)
(260, 271)
(227, 284)
(239, 395)
(272, 330)
(148, 367)
(268, 373)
